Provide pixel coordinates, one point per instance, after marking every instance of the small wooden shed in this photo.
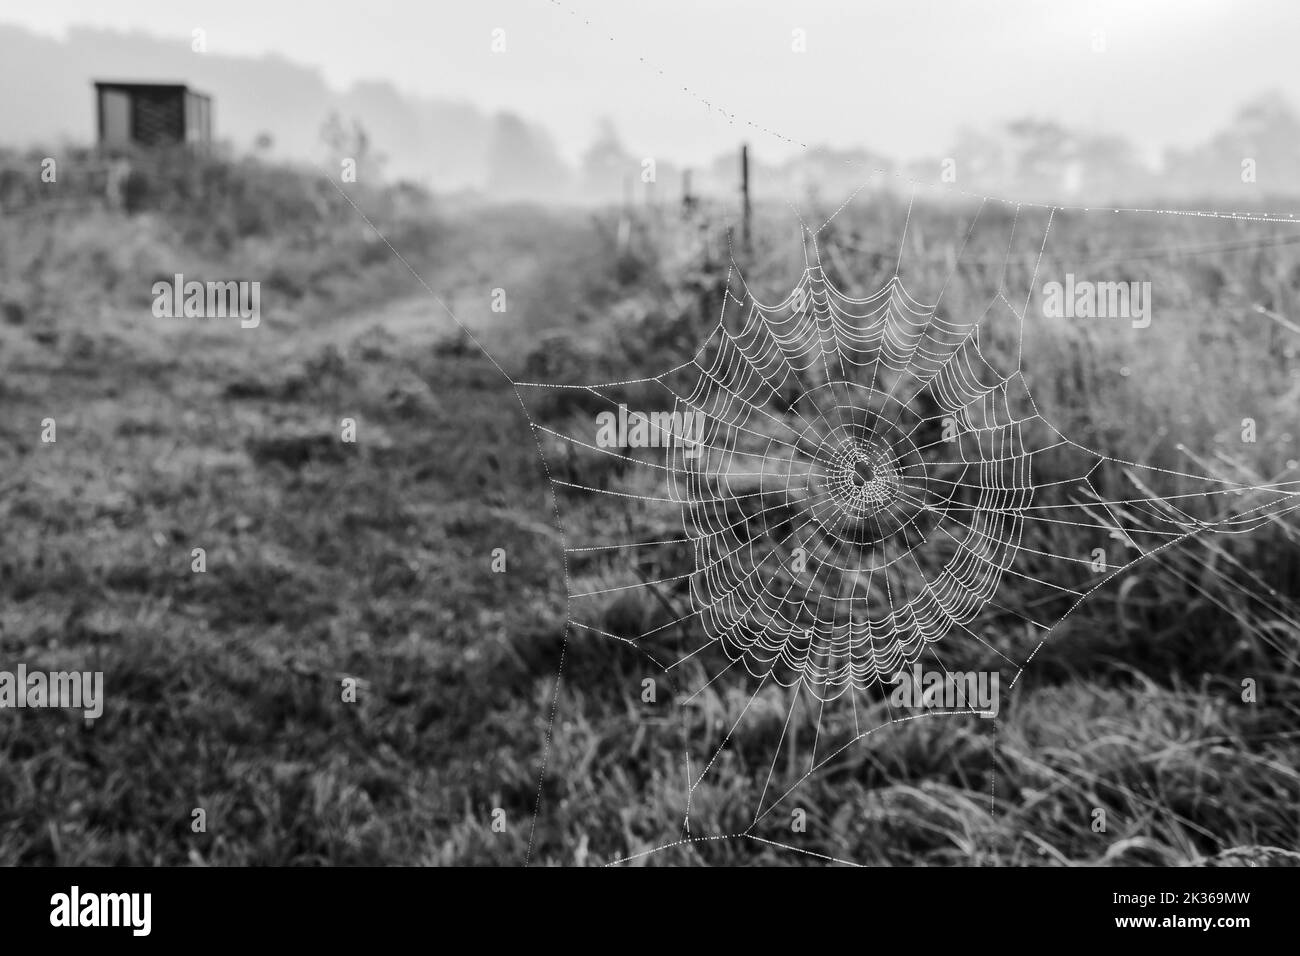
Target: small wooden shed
(152, 114)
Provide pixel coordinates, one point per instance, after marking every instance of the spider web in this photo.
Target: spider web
(874, 486)
(862, 484)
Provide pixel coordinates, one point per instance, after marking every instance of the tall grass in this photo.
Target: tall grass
(373, 562)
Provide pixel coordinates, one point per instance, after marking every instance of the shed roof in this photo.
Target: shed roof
(132, 86)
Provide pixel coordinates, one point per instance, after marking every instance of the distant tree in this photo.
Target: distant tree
(1110, 169)
(980, 161)
(522, 162)
(1265, 131)
(351, 142)
(607, 167)
(1043, 153)
(1268, 122)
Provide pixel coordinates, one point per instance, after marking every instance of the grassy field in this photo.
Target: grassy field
(329, 561)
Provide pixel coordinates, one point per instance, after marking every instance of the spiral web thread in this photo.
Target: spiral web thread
(851, 463)
(864, 486)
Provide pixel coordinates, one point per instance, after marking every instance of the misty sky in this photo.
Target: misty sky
(899, 77)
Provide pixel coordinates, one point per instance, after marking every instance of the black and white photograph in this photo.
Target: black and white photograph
(705, 434)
